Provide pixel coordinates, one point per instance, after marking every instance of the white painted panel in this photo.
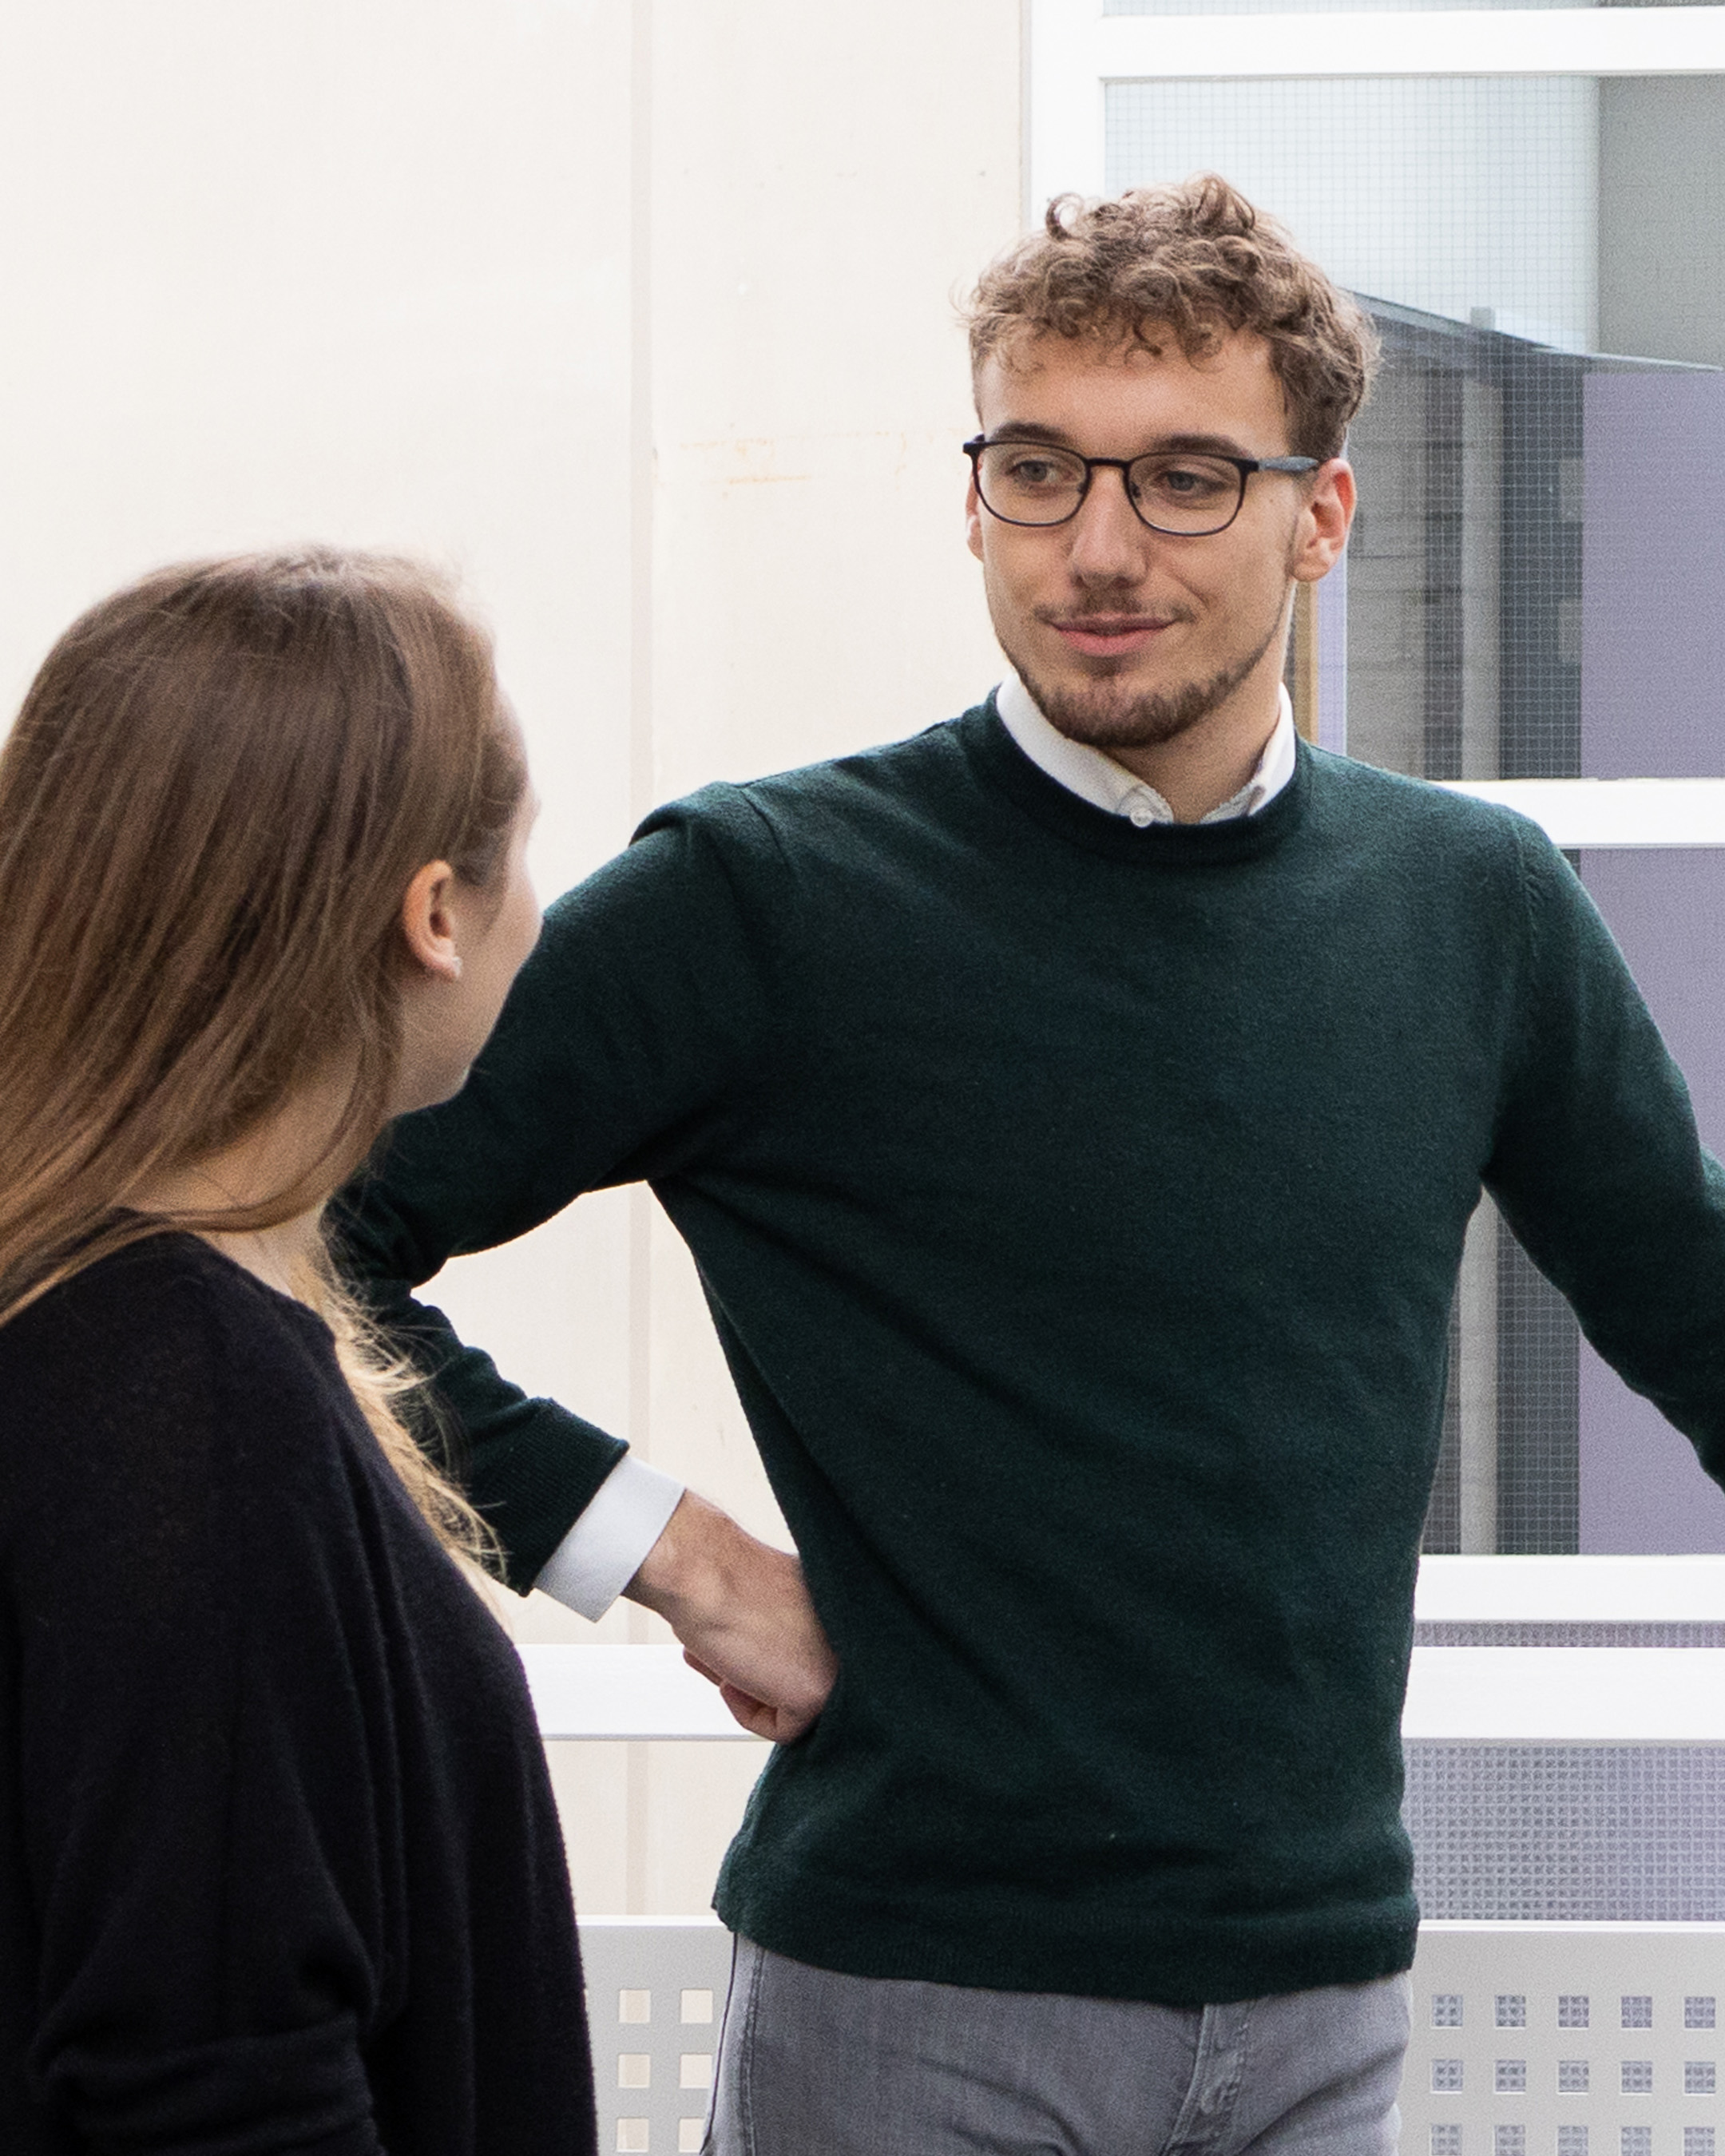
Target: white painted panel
(1567, 1695)
(1571, 1590)
(623, 1692)
(1516, 1695)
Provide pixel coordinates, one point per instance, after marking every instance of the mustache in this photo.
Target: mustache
(1069, 616)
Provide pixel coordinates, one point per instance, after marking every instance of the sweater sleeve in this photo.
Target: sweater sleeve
(204, 1798)
(1598, 1166)
(627, 1046)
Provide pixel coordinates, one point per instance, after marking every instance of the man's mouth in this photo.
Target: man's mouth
(1109, 635)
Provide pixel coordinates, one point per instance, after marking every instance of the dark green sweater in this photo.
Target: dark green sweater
(1079, 1207)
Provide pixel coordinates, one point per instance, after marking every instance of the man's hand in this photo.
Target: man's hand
(744, 1617)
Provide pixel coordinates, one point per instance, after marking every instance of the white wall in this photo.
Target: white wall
(640, 311)
(331, 270)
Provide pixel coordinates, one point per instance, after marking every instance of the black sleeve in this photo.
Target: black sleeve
(629, 1044)
(1598, 1168)
(204, 1787)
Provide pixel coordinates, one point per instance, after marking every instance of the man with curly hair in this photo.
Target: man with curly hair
(1074, 1112)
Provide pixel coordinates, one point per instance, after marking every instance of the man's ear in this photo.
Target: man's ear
(428, 924)
(973, 521)
(1325, 517)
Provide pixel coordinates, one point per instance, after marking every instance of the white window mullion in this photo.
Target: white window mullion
(1612, 812)
(1493, 41)
(1067, 145)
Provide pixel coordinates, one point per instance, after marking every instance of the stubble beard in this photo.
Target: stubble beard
(1107, 712)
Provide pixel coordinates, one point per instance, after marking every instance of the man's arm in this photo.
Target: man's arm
(631, 1036)
(1598, 1168)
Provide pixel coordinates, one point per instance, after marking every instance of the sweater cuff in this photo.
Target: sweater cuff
(609, 1544)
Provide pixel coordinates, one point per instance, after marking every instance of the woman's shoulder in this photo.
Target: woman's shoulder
(165, 1299)
(153, 1362)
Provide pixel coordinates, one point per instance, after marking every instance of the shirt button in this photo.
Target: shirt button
(1141, 814)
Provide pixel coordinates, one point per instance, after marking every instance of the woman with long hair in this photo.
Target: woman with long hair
(279, 1867)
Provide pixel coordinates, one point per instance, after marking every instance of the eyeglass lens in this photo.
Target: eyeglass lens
(1026, 482)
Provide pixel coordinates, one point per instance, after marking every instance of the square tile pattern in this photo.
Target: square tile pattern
(1613, 2054)
(655, 2002)
(1613, 2048)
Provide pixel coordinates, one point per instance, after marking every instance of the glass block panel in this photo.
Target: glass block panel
(1572, 2141)
(1571, 2076)
(1635, 2141)
(1511, 2077)
(1511, 2010)
(1699, 2141)
(1701, 2077)
(1509, 2141)
(1446, 2139)
(1544, 1632)
(1567, 1834)
(1445, 2076)
(1700, 2012)
(1572, 2009)
(1637, 2009)
(1446, 2011)
(1457, 196)
(1635, 2077)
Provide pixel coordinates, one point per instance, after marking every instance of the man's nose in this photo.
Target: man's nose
(1110, 541)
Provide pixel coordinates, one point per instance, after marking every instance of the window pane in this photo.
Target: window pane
(1534, 587)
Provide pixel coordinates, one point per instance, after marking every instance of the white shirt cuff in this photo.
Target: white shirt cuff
(609, 1544)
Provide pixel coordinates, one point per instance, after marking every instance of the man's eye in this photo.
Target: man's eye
(1036, 471)
(1184, 481)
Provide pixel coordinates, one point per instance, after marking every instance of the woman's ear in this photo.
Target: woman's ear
(427, 922)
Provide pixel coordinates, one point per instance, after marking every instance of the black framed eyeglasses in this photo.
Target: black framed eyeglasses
(1173, 490)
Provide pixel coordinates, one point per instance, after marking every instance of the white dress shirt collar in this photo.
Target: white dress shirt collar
(1105, 784)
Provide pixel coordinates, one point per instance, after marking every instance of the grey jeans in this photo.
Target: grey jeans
(815, 2064)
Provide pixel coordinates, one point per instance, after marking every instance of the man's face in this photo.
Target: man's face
(1128, 637)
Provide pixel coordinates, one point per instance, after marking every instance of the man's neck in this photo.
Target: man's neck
(1112, 782)
(1198, 770)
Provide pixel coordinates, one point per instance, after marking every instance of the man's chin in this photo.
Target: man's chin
(1114, 713)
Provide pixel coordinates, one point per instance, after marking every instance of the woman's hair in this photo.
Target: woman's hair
(221, 783)
(1193, 261)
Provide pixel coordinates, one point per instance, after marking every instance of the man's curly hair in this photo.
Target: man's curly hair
(1192, 262)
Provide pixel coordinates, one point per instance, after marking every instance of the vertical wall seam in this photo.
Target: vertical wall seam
(636, 1772)
(1028, 209)
(641, 595)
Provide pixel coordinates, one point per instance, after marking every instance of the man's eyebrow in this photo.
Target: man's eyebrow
(1194, 445)
(1210, 445)
(1029, 430)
